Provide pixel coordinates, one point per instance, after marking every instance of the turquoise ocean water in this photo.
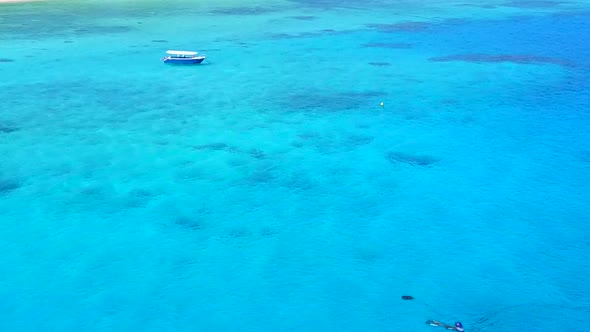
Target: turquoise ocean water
(267, 190)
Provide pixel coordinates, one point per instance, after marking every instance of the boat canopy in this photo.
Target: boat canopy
(181, 53)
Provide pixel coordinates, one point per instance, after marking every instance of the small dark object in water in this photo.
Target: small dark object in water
(380, 64)
(407, 297)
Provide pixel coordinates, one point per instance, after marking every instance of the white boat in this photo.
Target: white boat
(183, 57)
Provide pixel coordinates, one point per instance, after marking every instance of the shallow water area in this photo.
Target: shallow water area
(267, 189)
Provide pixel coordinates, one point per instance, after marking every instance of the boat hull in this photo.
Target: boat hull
(184, 61)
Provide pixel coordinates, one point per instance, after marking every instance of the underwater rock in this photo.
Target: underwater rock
(257, 153)
(4, 129)
(380, 64)
(497, 58)
(7, 186)
(303, 18)
(190, 223)
(212, 146)
(411, 159)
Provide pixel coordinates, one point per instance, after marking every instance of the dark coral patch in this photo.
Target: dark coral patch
(533, 3)
(497, 58)
(212, 146)
(254, 153)
(411, 159)
(7, 186)
(268, 232)
(389, 45)
(4, 129)
(257, 154)
(401, 27)
(303, 18)
(380, 64)
(186, 222)
(238, 232)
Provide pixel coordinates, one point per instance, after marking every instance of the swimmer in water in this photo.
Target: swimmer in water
(458, 326)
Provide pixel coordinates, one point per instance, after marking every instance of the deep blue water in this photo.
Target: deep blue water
(267, 190)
